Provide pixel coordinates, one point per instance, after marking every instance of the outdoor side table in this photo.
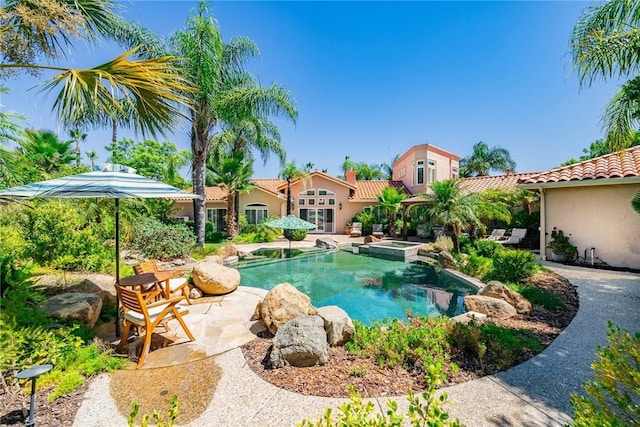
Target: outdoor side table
(160, 278)
(33, 373)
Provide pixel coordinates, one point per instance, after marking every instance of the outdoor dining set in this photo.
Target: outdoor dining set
(150, 298)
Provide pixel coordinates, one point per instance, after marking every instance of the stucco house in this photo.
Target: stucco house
(591, 202)
(327, 201)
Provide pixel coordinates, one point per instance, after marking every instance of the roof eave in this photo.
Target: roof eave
(582, 183)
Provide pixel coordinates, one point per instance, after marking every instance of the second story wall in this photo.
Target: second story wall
(424, 164)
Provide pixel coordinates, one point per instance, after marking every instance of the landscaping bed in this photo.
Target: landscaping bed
(370, 380)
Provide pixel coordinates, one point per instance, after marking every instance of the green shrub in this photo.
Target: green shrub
(13, 242)
(613, 398)
(494, 347)
(538, 296)
(154, 239)
(466, 244)
(487, 248)
(265, 233)
(477, 266)
(425, 411)
(57, 236)
(421, 343)
(513, 265)
(295, 235)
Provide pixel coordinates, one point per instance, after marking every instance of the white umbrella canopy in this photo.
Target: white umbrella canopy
(108, 181)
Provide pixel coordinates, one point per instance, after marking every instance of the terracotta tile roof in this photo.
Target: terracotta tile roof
(622, 164)
(479, 184)
(369, 190)
(283, 183)
(269, 184)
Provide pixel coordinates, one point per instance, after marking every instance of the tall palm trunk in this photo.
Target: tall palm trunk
(114, 131)
(198, 148)
(236, 210)
(231, 217)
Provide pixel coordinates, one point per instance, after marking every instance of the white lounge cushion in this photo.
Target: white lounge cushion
(138, 318)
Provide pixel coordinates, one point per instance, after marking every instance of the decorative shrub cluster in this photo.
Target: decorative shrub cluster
(295, 235)
(489, 260)
(154, 239)
(613, 398)
(28, 337)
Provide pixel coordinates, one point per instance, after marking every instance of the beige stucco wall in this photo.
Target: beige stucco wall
(275, 205)
(404, 169)
(341, 216)
(597, 216)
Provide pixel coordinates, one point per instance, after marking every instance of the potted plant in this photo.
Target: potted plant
(561, 249)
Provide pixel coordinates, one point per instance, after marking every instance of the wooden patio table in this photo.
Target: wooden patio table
(159, 278)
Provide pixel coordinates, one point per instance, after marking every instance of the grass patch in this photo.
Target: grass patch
(208, 249)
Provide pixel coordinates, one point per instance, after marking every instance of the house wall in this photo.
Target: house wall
(404, 169)
(275, 205)
(597, 216)
(341, 216)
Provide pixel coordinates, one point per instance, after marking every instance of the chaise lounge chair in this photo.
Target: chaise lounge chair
(356, 229)
(377, 231)
(517, 234)
(496, 234)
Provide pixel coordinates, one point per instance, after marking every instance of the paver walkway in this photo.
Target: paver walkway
(535, 393)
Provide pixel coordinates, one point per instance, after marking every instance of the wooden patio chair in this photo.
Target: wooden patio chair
(356, 229)
(172, 285)
(143, 315)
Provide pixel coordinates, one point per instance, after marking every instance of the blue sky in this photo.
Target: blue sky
(372, 79)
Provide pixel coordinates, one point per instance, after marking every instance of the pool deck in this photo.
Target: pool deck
(535, 393)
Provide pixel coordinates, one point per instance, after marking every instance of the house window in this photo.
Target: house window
(332, 202)
(300, 202)
(420, 172)
(432, 171)
(454, 173)
(218, 217)
(311, 202)
(308, 193)
(322, 201)
(256, 213)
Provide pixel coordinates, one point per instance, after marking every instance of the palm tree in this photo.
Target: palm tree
(604, 45)
(78, 136)
(30, 31)
(215, 70)
(390, 199)
(234, 173)
(453, 209)
(93, 156)
(387, 168)
(290, 173)
(484, 159)
(45, 151)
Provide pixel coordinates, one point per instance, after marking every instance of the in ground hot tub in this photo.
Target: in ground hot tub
(394, 250)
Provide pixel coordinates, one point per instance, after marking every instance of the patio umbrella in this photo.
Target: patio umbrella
(111, 181)
(290, 222)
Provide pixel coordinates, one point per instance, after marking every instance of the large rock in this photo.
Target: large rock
(371, 239)
(446, 260)
(300, 342)
(337, 324)
(492, 307)
(231, 249)
(83, 307)
(282, 304)
(99, 284)
(326, 243)
(496, 289)
(215, 279)
(426, 249)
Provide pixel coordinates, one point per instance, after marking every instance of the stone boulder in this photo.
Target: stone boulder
(337, 324)
(426, 249)
(326, 243)
(195, 293)
(446, 260)
(282, 304)
(215, 279)
(80, 306)
(231, 249)
(301, 342)
(492, 307)
(99, 284)
(213, 258)
(496, 289)
(371, 239)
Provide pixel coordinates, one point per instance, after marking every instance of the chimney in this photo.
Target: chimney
(507, 172)
(350, 177)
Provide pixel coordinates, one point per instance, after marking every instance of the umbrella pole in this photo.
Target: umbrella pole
(117, 265)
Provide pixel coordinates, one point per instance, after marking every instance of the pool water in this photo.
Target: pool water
(368, 289)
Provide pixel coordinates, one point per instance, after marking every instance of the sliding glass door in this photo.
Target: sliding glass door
(322, 218)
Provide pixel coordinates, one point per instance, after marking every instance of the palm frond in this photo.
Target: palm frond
(621, 115)
(153, 86)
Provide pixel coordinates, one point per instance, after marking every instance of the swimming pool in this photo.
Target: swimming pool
(368, 289)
